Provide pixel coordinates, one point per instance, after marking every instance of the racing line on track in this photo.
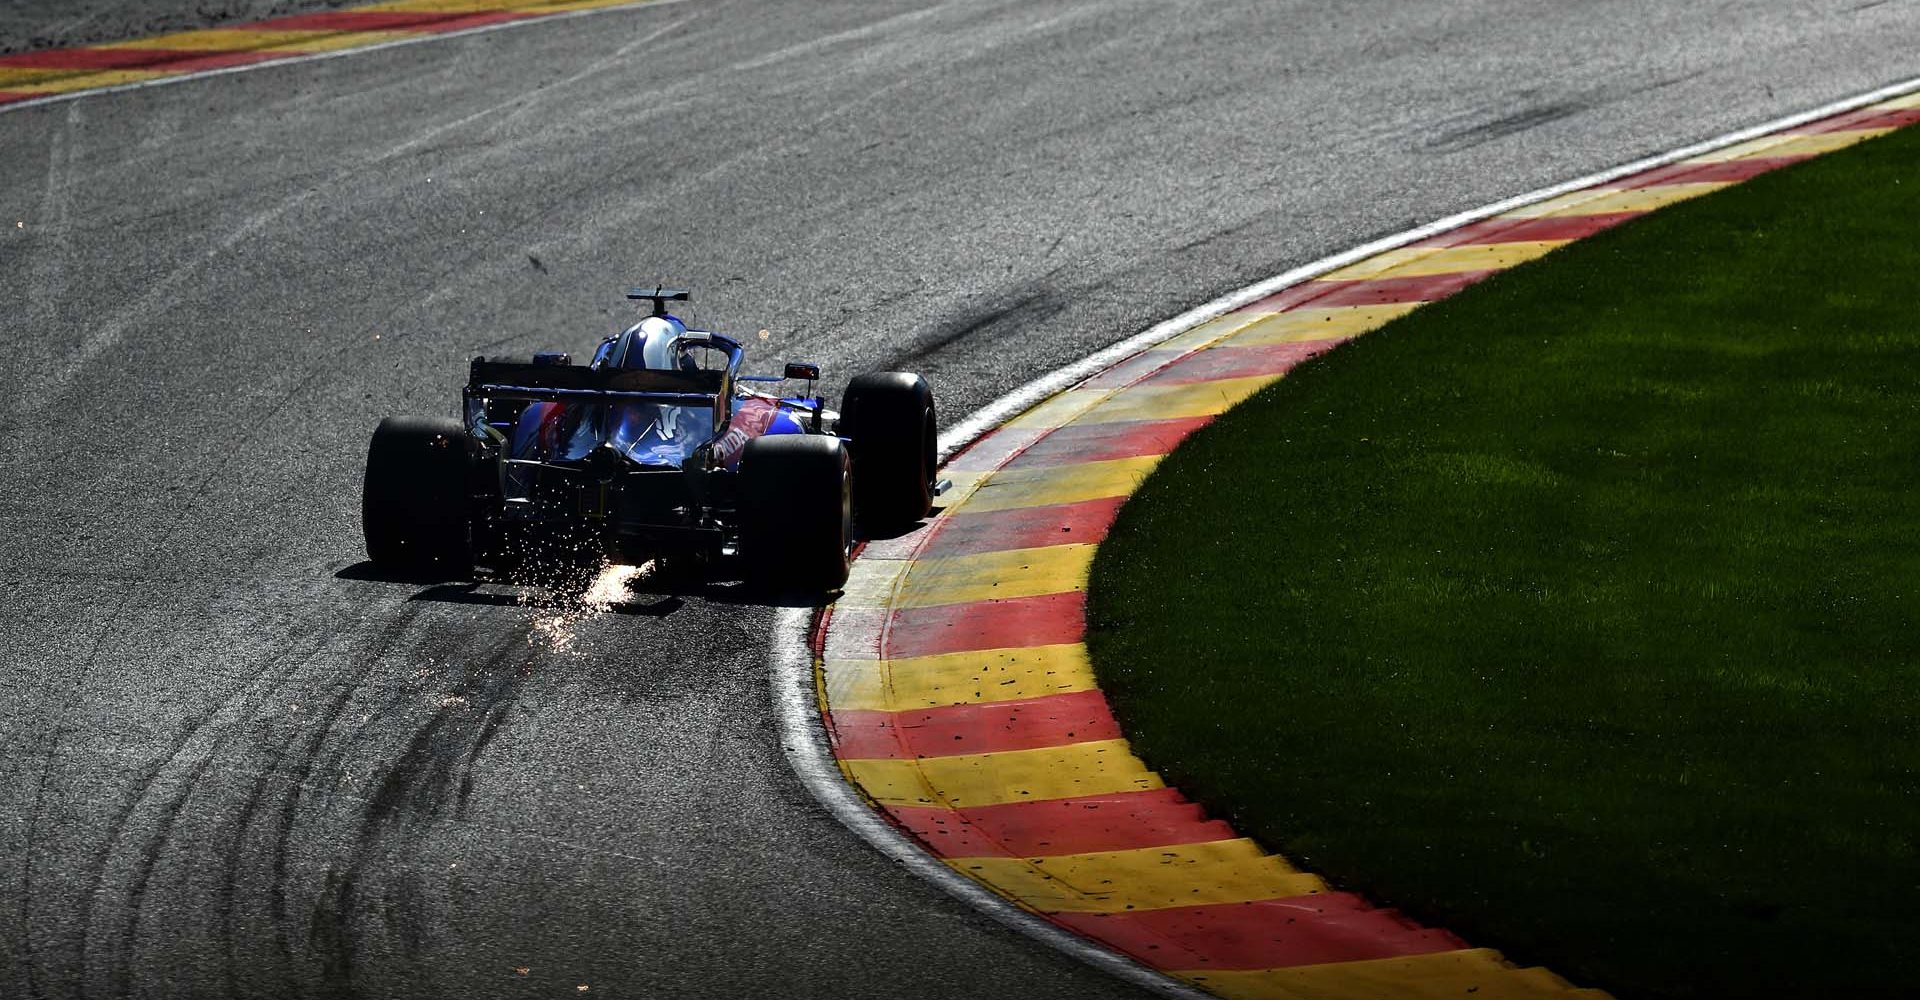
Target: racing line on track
(955, 689)
(29, 78)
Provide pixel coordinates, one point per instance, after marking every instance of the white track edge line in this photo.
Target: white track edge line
(565, 15)
(803, 737)
(1013, 403)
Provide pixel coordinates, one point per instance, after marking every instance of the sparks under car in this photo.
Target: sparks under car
(656, 448)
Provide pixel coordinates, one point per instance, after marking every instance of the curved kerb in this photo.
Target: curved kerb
(46, 76)
(944, 706)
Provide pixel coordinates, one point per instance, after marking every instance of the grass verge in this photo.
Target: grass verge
(1576, 613)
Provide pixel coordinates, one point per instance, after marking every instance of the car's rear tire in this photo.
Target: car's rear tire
(415, 503)
(889, 417)
(796, 512)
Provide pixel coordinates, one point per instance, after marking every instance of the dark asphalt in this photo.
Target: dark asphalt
(234, 767)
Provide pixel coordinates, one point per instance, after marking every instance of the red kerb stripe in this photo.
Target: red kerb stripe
(1076, 443)
(1055, 720)
(1238, 362)
(1368, 292)
(1119, 822)
(1864, 118)
(356, 20)
(1702, 173)
(1501, 230)
(88, 58)
(991, 451)
(161, 60)
(1267, 934)
(1046, 620)
(478, 20)
(1129, 371)
(1021, 528)
(194, 62)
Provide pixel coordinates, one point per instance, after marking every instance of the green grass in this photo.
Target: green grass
(1577, 613)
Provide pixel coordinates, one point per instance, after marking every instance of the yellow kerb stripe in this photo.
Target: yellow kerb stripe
(335, 41)
(50, 80)
(1408, 262)
(10, 75)
(560, 8)
(1300, 325)
(1789, 145)
(1167, 402)
(1212, 330)
(964, 482)
(1603, 201)
(483, 6)
(957, 678)
(1062, 409)
(245, 40)
(1266, 328)
(59, 81)
(448, 6)
(1038, 487)
(1102, 767)
(1479, 973)
(1221, 871)
(982, 576)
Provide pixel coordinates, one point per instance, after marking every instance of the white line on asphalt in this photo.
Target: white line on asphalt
(1019, 400)
(74, 95)
(804, 740)
(802, 735)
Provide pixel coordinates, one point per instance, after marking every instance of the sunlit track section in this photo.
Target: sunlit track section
(30, 76)
(956, 686)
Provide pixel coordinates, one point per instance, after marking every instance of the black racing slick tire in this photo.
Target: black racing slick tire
(416, 503)
(889, 418)
(796, 512)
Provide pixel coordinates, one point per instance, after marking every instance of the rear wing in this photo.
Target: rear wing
(555, 383)
(660, 296)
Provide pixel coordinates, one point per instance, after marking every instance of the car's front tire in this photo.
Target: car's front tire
(416, 503)
(796, 512)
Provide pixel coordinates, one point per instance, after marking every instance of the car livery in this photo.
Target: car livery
(658, 447)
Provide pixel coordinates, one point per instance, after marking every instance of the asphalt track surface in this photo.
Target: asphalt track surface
(231, 764)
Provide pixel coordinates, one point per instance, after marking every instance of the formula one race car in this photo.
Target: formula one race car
(657, 448)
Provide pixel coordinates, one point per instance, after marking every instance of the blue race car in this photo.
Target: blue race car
(657, 448)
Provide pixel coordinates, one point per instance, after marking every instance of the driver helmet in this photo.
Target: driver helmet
(654, 346)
